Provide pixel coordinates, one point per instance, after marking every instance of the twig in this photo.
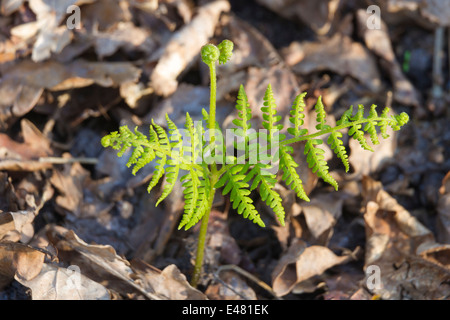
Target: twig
(248, 275)
(56, 160)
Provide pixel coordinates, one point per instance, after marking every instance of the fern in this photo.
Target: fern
(201, 155)
(233, 181)
(290, 175)
(243, 125)
(297, 116)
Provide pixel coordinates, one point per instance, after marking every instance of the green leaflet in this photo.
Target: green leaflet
(355, 130)
(270, 117)
(196, 194)
(290, 176)
(266, 180)
(297, 116)
(232, 181)
(173, 166)
(316, 161)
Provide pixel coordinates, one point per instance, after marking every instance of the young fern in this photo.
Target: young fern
(201, 153)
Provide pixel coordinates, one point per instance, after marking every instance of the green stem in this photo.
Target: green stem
(212, 109)
(202, 236)
(330, 130)
(213, 179)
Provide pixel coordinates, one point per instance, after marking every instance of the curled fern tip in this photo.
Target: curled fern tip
(106, 141)
(210, 53)
(226, 51)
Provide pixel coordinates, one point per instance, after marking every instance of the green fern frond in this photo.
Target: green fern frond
(316, 161)
(266, 181)
(173, 166)
(346, 117)
(160, 168)
(215, 143)
(355, 130)
(370, 127)
(321, 115)
(194, 143)
(290, 175)
(196, 194)
(337, 145)
(270, 117)
(243, 123)
(226, 50)
(232, 179)
(297, 116)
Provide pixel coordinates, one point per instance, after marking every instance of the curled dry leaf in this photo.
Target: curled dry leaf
(124, 35)
(24, 156)
(101, 263)
(321, 214)
(318, 15)
(19, 261)
(70, 184)
(57, 283)
(169, 283)
(340, 54)
(184, 46)
(379, 42)
(22, 93)
(300, 263)
(51, 37)
(411, 264)
(17, 226)
(100, 258)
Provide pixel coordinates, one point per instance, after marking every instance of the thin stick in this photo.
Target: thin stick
(56, 160)
(248, 275)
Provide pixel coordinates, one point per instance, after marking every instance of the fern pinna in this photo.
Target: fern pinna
(198, 157)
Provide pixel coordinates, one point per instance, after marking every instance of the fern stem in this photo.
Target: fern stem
(329, 130)
(214, 178)
(212, 108)
(202, 235)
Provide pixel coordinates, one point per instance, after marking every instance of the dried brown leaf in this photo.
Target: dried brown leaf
(19, 261)
(23, 84)
(379, 42)
(124, 35)
(70, 184)
(412, 265)
(57, 283)
(318, 15)
(300, 263)
(340, 54)
(321, 214)
(17, 226)
(99, 262)
(184, 46)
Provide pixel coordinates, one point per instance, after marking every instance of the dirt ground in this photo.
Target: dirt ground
(76, 224)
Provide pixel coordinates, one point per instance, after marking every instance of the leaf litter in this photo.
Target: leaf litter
(74, 222)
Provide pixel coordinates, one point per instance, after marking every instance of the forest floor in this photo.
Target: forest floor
(75, 223)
